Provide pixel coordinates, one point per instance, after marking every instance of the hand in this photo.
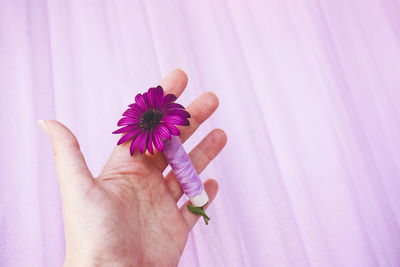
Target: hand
(128, 215)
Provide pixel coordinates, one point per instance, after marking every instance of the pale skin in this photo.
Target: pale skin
(128, 215)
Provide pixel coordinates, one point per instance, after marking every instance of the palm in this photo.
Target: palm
(129, 212)
(142, 215)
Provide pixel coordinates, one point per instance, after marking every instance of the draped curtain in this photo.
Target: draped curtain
(309, 98)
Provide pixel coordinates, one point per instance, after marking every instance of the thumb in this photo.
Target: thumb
(72, 170)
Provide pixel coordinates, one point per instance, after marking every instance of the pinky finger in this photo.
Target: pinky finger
(211, 187)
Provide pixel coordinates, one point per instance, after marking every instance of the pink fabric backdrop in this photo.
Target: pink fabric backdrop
(309, 97)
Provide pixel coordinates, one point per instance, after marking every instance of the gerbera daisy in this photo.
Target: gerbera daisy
(151, 120)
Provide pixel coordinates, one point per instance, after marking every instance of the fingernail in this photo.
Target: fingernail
(42, 124)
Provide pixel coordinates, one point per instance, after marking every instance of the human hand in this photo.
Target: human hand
(128, 215)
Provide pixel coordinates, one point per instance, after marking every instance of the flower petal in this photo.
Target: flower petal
(176, 120)
(163, 131)
(127, 121)
(150, 142)
(139, 99)
(178, 112)
(167, 100)
(155, 96)
(150, 97)
(125, 129)
(131, 113)
(146, 99)
(136, 108)
(136, 141)
(132, 147)
(159, 93)
(142, 142)
(172, 106)
(172, 128)
(158, 142)
(128, 136)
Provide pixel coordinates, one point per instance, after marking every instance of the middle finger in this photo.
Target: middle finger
(200, 110)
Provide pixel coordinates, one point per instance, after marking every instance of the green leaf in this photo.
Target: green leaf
(198, 211)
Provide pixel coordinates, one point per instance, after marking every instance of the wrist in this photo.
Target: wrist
(88, 260)
(82, 262)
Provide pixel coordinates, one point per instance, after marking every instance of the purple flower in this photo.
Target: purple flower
(151, 120)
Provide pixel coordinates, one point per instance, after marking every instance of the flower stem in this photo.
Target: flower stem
(199, 211)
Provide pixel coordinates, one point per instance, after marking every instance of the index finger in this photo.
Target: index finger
(173, 83)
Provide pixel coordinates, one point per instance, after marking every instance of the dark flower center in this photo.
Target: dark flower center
(150, 119)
